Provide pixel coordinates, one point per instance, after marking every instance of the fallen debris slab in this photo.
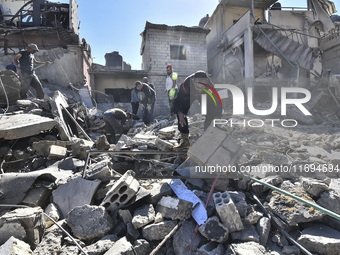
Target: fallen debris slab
(24, 125)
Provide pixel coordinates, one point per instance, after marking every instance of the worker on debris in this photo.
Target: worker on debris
(24, 62)
(171, 86)
(190, 90)
(147, 97)
(134, 101)
(146, 80)
(115, 120)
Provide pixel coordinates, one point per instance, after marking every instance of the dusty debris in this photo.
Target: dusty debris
(128, 197)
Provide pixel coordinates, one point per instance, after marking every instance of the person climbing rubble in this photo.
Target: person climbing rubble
(189, 91)
(24, 62)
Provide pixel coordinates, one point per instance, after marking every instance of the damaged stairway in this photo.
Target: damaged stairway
(294, 52)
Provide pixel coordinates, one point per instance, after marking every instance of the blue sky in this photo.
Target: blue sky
(115, 25)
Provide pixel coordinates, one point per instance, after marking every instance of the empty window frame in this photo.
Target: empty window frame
(178, 52)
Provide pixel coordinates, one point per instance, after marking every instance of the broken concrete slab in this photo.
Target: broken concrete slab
(330, 200)
(122, 246)
(76, 192)
(14, 186)
(143, 216)
(174, 208)
(157, 231)
(320, 239)
(26, 224)
(99, 247)
(24, 125)
(182, 239)
(15, 246)
(214, 230)
(141, 246)
(199, 213)
(246, 248)
(215, 154)
(247, 234)
(313, 187)
(263, 228)
(158, 190)
(291, 210)
(211, 248)
(89, 222)
(51, 243)
(121, 192)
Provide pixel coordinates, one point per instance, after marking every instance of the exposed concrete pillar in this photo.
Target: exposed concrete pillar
(249, 56)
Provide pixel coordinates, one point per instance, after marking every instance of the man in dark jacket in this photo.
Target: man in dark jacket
(147, 97)
(115, 119)
(190, 90)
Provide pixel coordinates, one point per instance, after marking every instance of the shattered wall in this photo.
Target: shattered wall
(67, 65)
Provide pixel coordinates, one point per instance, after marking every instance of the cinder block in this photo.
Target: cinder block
(121, 192)
(227, 211)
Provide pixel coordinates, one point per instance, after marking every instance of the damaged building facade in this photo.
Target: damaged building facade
(53, 27)
(65, 190)
(267, 46)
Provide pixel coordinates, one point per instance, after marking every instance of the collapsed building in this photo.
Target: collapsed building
(65, 190)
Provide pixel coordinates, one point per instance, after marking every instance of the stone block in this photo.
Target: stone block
(227, 211)
(143, 216)
(26, 224)
(122, 246)
(330, 200)
(247, 234)
(141, 246)
(14, 246)
(18, 126)
(211, 248)
(125, 216)
(57, 152)
(37, 196)
(121, 192)
(214, 230)
(174, 208)
(100, 224)
(52, 211)
(263, 228)
(157, 191)
(50, 244)
(320, 239)
(247, 248)
(158, 231)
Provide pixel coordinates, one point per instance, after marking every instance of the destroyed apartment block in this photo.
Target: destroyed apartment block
(65, 190)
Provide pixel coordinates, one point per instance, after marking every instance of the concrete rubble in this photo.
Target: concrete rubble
(117, 200)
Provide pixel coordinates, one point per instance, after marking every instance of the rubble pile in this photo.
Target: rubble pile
(65, 190)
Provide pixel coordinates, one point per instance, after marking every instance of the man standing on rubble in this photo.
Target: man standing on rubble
(24, 62)
(171, 86)
(147, 97)
(189, 91)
